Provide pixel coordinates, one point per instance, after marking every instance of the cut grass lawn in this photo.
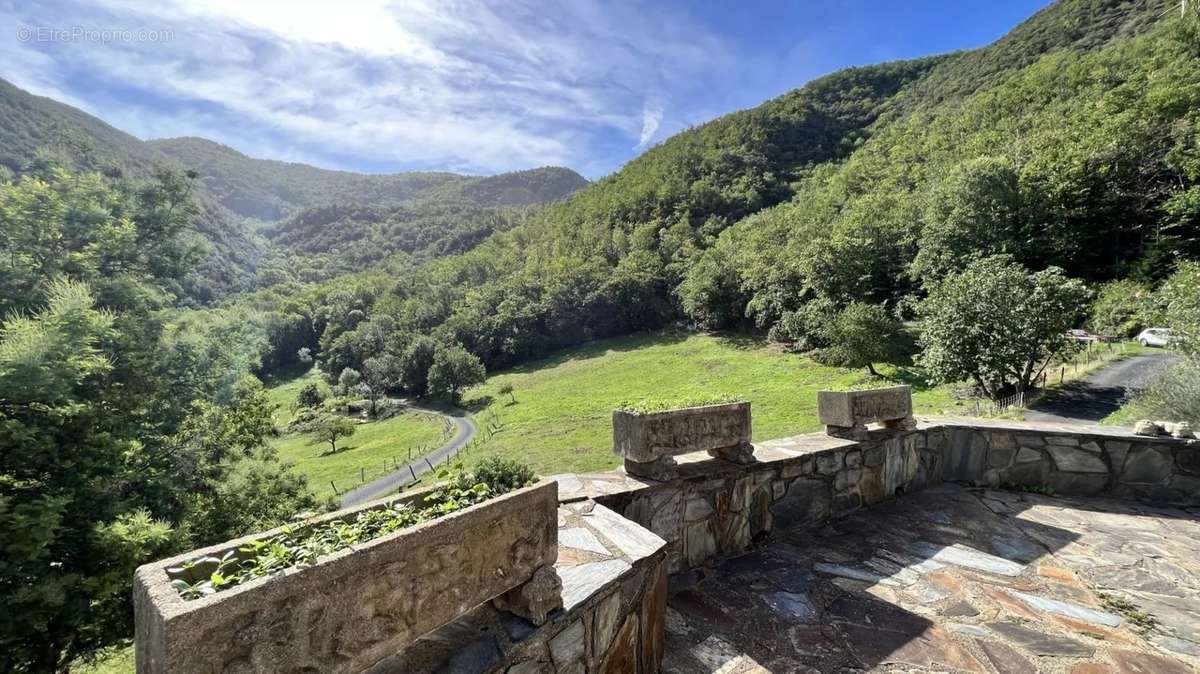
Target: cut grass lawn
(370, 452)
(562, 418)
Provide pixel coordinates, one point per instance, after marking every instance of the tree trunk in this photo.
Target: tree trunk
(871, 369)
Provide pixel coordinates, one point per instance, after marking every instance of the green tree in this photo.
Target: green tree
(415, 363)
(862, 335)
(331, 428)
(973, 212)
(348, 380)
(506, 389)
(454, 369)
(379, 374)
(998, 325)
(115, 425)
(1179, 301)
(310, 396)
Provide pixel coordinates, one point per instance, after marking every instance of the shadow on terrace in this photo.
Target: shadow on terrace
(952, 579)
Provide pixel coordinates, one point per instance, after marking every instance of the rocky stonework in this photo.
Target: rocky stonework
(847, 413)
(614, 590)
(356, 606)
(1161, 470)
(648, 442)
(953, 579)
(715, 509)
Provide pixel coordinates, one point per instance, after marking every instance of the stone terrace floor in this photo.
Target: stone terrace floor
(953, 579)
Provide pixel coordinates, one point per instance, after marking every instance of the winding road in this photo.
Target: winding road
(1100, 393)
(464, 431)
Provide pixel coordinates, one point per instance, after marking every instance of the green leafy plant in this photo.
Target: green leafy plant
(298, 546)
(648, 405)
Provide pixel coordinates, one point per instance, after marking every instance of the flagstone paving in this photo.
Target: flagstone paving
(953, 580)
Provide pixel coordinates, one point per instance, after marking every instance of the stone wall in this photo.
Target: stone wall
(1086, 462)
(614, 610)
(716, 508)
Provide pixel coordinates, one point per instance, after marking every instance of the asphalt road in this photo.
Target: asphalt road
(465, 430)
(1100, 393)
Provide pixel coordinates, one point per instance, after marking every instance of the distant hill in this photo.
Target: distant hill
(234, 190)
(270, 190)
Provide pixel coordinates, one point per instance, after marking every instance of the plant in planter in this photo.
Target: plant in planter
(339, 592)
(299, 547)
(649, 434)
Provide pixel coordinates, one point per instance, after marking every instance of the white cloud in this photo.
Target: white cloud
(652, 114)
(470, 85)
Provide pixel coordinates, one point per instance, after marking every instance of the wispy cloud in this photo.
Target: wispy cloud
(472, 85)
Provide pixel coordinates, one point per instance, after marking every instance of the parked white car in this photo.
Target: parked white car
(1156, 337)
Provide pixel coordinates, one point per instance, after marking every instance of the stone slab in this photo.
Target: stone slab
(1066, 608)
(967, 557)
(855, 408)
(1042, 643)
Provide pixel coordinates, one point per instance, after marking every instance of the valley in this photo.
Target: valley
(197, 344)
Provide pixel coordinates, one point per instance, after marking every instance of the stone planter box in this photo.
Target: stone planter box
(648, 441)
(356, 606)
(847, 413)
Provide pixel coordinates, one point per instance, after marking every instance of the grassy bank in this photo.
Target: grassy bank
(373, 450)
(561, 420)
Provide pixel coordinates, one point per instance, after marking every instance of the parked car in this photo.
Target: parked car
(1156, 337)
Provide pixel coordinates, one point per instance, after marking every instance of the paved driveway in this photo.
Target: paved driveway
(1101, 393)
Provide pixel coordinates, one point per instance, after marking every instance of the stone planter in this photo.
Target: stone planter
(356, 606)
(847, 413)
(648, 441)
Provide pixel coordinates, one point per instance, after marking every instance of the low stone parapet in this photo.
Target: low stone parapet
(847, 413)
(358, 605)
(715, 508)
(648, 442)
(613, 616)
(1081, 461)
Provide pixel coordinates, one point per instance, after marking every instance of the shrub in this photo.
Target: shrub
(310, 396)
(1121, 309)
(1175, 394)
(862, 335)
(503, 475)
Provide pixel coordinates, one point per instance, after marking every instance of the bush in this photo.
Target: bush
(1122, 309)
(310, 396)
(1179, 300)
(503, 475)
(862, 335)
(1174, 395)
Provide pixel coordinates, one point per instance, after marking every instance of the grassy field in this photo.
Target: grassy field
(368, 454)
(561, 420)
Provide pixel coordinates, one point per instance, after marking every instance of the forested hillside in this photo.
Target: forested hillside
(1071, 142)
(437, 212)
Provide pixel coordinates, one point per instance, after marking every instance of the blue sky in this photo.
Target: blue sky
(472, 86)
